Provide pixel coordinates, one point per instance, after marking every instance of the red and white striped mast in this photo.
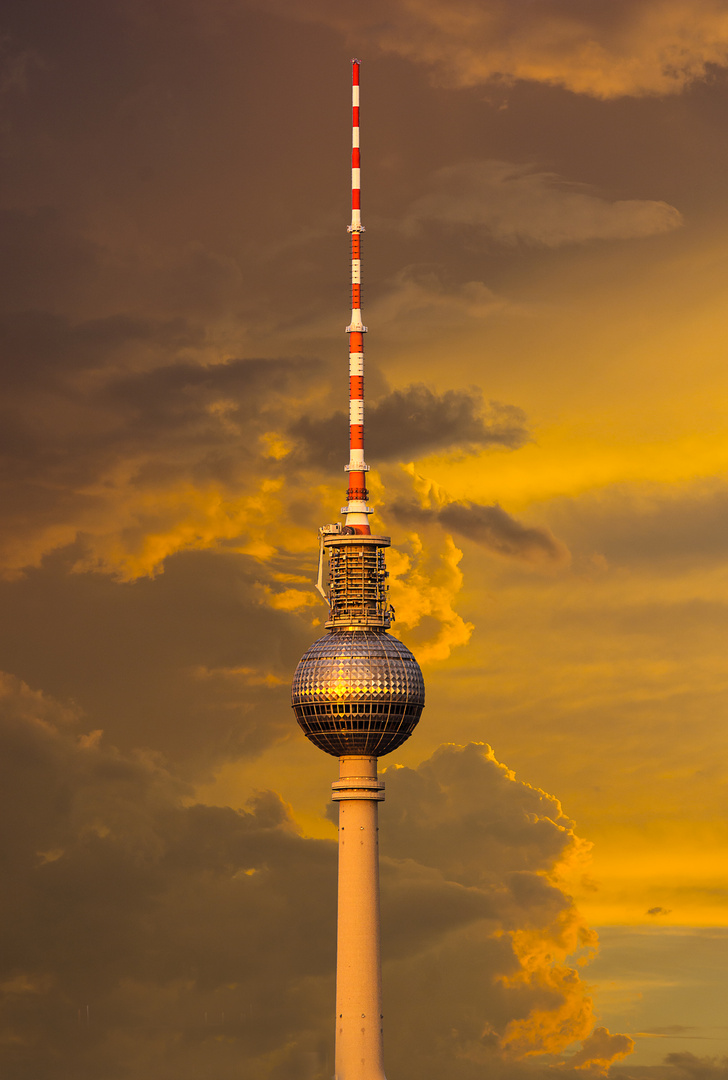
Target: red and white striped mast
(357, 509)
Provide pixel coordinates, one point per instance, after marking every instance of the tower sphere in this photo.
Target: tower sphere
(358, 691)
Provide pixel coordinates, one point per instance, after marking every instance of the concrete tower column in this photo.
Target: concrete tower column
(359, 1052)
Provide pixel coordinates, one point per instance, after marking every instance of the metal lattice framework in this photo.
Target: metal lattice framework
(358, 575)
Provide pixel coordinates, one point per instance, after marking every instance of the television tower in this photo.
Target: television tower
(357, 693)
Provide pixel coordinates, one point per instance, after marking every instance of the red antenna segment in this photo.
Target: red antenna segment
(357, 509)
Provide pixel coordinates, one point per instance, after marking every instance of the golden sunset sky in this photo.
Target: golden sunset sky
(545, 270)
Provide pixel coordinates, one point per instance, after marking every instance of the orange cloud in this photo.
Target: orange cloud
(423, 587)
(550, 1030)
(601, 1050)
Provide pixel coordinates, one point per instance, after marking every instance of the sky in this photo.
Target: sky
(545, 266)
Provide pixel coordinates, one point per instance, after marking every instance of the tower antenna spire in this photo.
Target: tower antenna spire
(357, 509)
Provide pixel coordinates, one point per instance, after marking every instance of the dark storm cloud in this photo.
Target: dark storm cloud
(139, 252)
(149, 244)
(202, 938)
(83, 437)
(133, 655)
(471, 836)
(414, 422)
(636, 526)
(140, 170)
(464, 815)
(518, 204)
(90, 448)
(147, 181)
(678, 1066)
(639, 47)
(124, 900)
(167, 392)
(43, 260)
(182, 402)
(42, 344)
(52, 263)
(489, 526)
(699, 1068)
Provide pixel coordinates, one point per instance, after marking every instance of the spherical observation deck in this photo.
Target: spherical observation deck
(358, 691)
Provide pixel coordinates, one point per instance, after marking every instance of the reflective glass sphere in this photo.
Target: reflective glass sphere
(358, 692)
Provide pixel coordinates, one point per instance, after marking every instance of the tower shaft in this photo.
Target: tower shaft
(359, 1050)
(357, 511)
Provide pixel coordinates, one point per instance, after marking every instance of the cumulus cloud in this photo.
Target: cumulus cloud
(416, 421)
(516, 203)
(600, 1050)
(424, 583)
(465, 815)
(627, 47)
(203, 937)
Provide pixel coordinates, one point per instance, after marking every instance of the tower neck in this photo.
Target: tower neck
(357, 509)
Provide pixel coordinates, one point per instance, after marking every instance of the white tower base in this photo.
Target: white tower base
(359, 1054)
